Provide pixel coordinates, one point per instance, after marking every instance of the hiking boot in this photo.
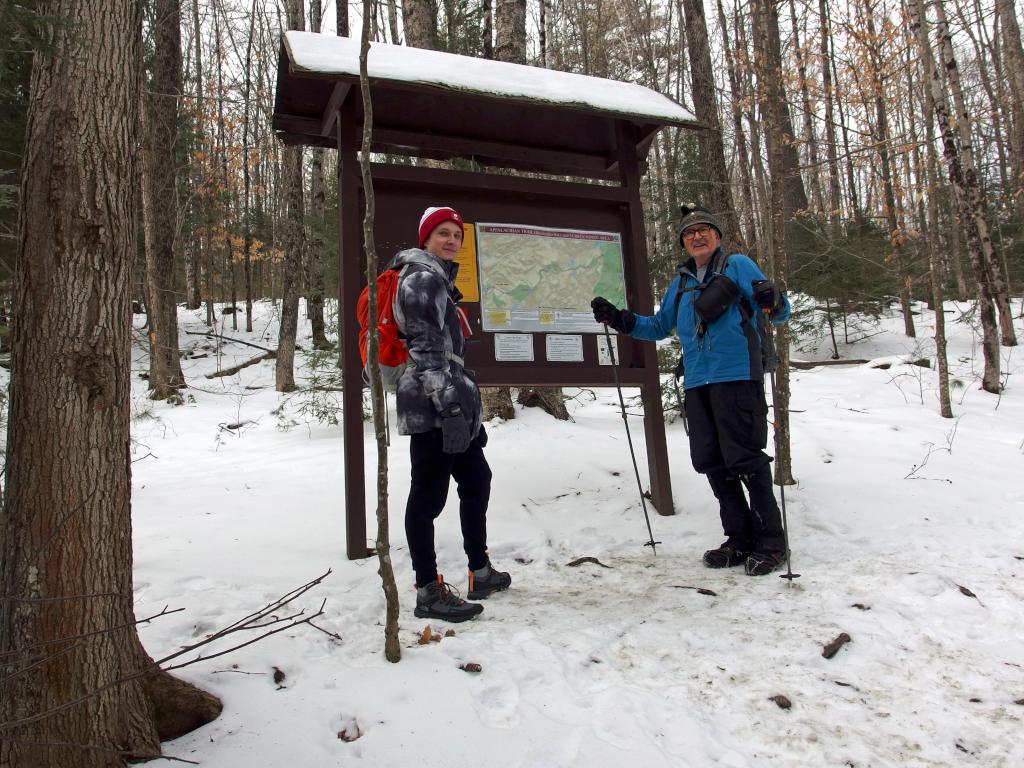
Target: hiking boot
(485, 581)
(438, 600)
(726, 556)
(763, 563)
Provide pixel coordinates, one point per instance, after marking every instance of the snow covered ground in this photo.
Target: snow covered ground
(907, 530)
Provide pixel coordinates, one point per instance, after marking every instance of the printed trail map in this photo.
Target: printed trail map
(539, 279)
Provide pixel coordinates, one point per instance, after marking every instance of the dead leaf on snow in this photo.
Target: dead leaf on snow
(831, 649)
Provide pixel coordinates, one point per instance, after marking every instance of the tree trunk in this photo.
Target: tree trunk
(160, 201)
(881, 129)
(294, 225)
(1013, 60)
(392, 645)
(935, 263)
(971, 171)
(510, 29)
(739, 136)
(420, 22)
(316, 251)
(228, 272)
(959, 160)
(73, 692)
(810, 140)
(246, 175)
(716, 191)
(772, 99)
(835, 203)
(487, 28)
(193, 292)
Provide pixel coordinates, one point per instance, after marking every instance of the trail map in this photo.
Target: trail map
(538, 279)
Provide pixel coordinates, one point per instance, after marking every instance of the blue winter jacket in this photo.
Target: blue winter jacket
(730, 349)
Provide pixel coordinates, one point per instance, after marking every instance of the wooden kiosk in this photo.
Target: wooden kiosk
(514, 129)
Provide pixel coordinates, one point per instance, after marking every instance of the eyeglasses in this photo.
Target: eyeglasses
(691, 233)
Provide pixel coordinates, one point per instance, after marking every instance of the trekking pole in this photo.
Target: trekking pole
(774, 357)
(622, 404)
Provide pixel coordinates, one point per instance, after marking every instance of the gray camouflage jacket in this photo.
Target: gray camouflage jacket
(427, 315)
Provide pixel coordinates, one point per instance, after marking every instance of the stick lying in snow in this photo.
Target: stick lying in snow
(236, 368)
(582, 560)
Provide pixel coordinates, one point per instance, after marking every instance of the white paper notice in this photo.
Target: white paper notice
(510, 347)
(564, 348)
(603, 356)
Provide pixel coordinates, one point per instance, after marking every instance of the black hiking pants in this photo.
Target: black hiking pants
(432, 470)
(728, 434)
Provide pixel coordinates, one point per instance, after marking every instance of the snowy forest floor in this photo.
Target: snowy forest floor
(907, 530)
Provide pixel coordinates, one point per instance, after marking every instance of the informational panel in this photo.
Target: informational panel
(541, 279)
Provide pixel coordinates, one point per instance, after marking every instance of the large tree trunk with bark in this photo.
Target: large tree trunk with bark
(420, 23)
(959, 162)
(1013, 63)
(294, 242)
(772, 102)
(717, 191)
(74, 691)
(160, 201)
(510, 31)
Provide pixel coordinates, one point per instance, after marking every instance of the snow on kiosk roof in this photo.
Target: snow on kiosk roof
(435, 104)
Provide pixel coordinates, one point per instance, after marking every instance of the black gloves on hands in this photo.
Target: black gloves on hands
(622, 320)
(767, 295)
(455, 437)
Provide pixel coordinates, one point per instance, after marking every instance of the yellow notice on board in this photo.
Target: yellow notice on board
(467, 281)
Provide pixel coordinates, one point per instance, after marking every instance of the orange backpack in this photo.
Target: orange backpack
(392, 352)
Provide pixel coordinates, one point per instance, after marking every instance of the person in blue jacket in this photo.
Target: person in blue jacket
(714, 304)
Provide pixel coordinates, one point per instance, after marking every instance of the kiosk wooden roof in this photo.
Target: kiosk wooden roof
(441, 105)
(428, 104)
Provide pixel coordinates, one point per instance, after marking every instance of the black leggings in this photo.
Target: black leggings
(432, 469)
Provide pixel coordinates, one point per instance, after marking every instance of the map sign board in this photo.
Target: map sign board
(541, 279)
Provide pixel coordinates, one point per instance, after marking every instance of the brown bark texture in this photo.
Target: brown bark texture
(717, 192)
(773, 102)
(160, 200)
(420, 23)
(510, 31)
(71, 664)
(965, 189)
(294, 243)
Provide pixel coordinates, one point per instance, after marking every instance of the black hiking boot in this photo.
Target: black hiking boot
(726, 556)
(485, 581)
(763, 563)
(439, 600)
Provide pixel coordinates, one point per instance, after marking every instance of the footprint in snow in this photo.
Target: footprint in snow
(498, 705)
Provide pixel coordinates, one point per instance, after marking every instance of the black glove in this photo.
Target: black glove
(454, 431)
(767, 295)
(481, 437)
(622, 320)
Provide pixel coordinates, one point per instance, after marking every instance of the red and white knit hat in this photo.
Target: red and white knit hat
(432, 217)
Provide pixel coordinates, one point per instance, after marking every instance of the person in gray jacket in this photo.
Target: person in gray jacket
(439, 409)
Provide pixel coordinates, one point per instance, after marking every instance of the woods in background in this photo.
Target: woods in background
(836, 154)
